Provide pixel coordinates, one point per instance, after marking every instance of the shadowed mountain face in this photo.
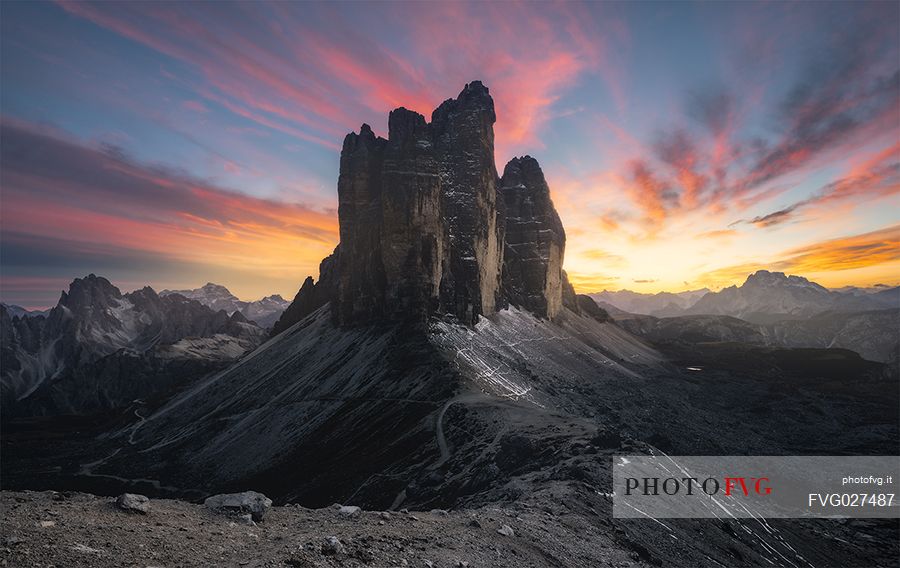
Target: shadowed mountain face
(99, 348)
(428, 229)
(442, 359)
(871, 334)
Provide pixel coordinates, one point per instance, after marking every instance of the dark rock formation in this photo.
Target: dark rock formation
(423, 222)
(463, 131)
(569, 297)
(589, 307)
(311, 296)
(535, 240)
(360, 286)
(412, 231)
(418, 215)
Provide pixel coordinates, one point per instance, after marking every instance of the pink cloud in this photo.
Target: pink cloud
(317, 85)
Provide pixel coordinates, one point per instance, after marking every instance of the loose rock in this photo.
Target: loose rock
(247, 502)
(332, 546)
(349, 511)
(133, 502)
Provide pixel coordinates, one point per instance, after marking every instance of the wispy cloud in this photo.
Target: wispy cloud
(876, 177)
(713, 156)
(309, 72)
(79, 200)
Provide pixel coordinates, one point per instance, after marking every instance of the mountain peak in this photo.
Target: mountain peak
(773, 296)
(90, 291)
(767, 278)
(474, 89)
(425, 230)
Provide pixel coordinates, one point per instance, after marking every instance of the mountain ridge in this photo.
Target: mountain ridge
(95, 324)
(764, 297)
(264, 311)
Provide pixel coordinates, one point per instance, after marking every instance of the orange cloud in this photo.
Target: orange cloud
(846, 253)
(650, 193)
(822, 259)
(597, 254)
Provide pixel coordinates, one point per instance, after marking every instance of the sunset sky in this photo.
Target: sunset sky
(686, 145)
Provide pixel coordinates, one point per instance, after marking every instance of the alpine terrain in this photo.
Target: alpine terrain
(441, 362)
(264, 312)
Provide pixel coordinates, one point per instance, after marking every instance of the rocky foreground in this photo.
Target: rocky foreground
(78, 529)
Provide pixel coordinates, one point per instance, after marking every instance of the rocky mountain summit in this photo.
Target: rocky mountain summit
(264, 312)
(429, 229)
(771, 309)
(766, 297)
(98, 347)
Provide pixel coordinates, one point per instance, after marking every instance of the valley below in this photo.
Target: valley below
(513, 422)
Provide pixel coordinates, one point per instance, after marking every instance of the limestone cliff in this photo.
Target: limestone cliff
(535, 240)
(428, 229)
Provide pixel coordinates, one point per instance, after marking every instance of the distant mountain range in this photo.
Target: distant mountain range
(18, 311)
(264, 312)
(98, 347)
(765, 297)
(659, 304)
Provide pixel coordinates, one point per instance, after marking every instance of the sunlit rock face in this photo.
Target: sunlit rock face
(535, 240)
(423, 220)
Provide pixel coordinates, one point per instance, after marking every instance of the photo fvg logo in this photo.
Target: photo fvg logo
(729, 485)
(700, 487)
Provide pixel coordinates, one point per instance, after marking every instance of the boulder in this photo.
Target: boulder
(134, 503)
(349, 511)
(241, 503)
